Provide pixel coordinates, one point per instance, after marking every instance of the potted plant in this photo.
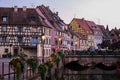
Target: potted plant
(18, 66)
(53, 57)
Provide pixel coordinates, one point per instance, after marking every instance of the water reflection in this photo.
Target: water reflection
(90, 74)
(86, 74)
(90, 77)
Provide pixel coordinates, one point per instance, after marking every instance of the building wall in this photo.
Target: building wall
(47, 45)
(77, 28)
(53, 32)
(90, 41)
(19, 37)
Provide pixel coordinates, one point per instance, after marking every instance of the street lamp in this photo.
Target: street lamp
(59, 40)
(43, 42)
(75, 44)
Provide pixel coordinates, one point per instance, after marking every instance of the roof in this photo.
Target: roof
(105, 32)
(83, 24)
(53, 18)
(20, 17)
(92, 25)
(117, 32)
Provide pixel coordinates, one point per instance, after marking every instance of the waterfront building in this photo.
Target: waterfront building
(80, 26)
(97, 33)
(20, 30)
(59, 39)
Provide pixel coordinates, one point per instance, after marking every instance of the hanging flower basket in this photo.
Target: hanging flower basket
(33, 63)
(18, 66)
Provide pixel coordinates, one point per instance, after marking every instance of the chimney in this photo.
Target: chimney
(24, 8)
(56, 13)
(48, 7)
(83, 18)
(115, 28)
(15, 8)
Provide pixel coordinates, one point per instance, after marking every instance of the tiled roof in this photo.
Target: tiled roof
(105, 32)
(20, 17)
(52, 17)
(84, 25)
(117, 31)
(92, 25)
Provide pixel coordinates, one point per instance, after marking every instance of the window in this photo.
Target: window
(34, 41)
(43, 30)
(33, 18)
(4, 28)
(4, 39)
(54, 17)
(72, 43)
(4, 18)
(20, 39)
(56, 41)
(0, 39)
(34, 29)
(61, 25)
(6, 50)
(19, 29)
(49, 32)
(52, 22)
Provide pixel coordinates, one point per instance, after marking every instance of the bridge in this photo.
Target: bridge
(85, 59)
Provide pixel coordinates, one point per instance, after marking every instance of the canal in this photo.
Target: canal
(74, 71)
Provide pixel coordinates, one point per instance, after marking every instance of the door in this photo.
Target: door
(15, 51)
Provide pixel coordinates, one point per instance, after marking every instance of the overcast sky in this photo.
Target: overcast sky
(100, 11)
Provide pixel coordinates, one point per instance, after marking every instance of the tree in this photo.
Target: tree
(105, 44)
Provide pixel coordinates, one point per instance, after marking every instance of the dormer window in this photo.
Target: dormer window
(61, 25)
(4, 18)
(32, 18)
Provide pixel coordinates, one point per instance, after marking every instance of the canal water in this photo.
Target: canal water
(75, 72)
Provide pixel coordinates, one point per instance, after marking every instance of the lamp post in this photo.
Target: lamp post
(75, 44)
(59, 40)
(43, 42)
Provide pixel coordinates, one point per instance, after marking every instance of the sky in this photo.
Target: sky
(104, 12)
